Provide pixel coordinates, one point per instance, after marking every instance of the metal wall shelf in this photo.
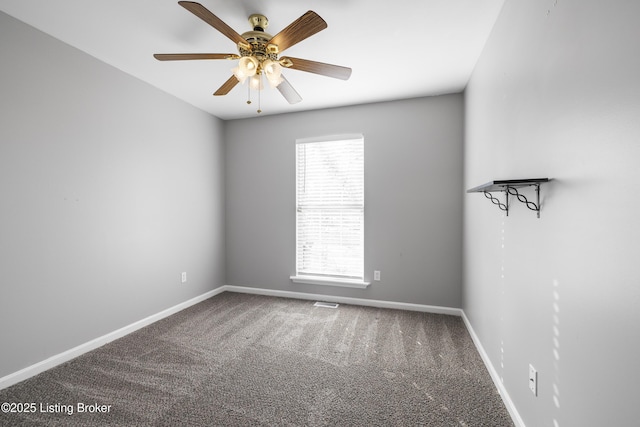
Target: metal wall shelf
(510, 187)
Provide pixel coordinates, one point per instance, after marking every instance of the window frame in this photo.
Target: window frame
(321, 279)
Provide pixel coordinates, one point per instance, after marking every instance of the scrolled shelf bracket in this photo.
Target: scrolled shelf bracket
(533, 206)
(510, 188)
(497, 202)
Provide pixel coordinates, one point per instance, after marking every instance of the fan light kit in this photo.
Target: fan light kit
(258, 53)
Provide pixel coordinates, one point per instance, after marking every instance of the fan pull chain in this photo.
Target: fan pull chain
(248, 94)
(259, 110)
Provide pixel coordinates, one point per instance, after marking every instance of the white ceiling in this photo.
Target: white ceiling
(440, 40)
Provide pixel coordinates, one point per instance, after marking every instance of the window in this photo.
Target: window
(330, 211)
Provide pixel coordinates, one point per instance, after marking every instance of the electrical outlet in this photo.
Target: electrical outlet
(376, 275)
(183, 278)
(533, 380)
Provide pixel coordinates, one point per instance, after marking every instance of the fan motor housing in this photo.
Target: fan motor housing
(258, 39)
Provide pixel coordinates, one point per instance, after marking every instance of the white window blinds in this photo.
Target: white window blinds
(330, 208)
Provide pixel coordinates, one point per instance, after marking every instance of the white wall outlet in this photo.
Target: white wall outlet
(376, 275)
(183, 277)
(533, 380)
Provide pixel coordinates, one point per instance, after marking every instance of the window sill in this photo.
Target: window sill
(345, 283)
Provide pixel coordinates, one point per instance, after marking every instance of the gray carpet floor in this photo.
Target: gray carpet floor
(248, 360)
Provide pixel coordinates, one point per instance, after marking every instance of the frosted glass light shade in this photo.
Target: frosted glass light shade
(236, 72)
(255, 82)
(247, 67)
(273, 72)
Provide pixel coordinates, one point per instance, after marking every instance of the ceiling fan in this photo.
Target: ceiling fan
(258, 52)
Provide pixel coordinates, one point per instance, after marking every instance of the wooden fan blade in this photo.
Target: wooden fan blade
(203, 13)
(307, 25)
(289, 92)
(329, 70)
(188, 56)
(227, 86)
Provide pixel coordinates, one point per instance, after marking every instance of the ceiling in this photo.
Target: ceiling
(397, 49)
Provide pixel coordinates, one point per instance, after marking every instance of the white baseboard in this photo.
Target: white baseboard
(346, 300)
(513, 411)
(65, 356)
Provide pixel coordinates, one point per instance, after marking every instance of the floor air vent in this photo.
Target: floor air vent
(326, 304)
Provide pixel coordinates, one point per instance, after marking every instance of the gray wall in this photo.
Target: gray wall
(556, 94)
(413, 198)
(109, 189)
